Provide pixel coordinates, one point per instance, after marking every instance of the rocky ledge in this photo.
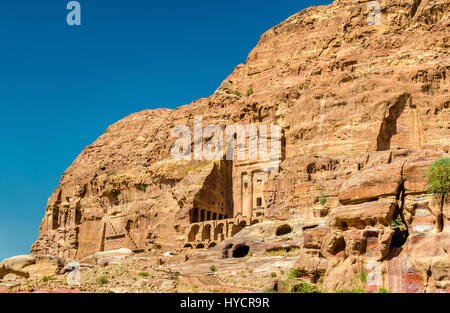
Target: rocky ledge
(364, 111)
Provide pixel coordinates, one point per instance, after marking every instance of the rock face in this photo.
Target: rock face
(31, 266)
(363, 110)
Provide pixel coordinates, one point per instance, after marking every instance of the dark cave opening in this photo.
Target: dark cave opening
(283, 230)
(401, 231)
(399, 224)
(344, 226)
(399, 237)
(241, 251)
(338, 246)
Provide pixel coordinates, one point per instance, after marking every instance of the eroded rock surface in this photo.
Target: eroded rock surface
(363, 110)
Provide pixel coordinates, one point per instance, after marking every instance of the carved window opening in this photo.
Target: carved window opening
(258, 201)
(202, 215)
(195, 215)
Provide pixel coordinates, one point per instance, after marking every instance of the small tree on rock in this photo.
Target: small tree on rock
(439, 177)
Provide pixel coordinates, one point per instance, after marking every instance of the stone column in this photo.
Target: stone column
(50, 220)
(240, 210)
(249, 208)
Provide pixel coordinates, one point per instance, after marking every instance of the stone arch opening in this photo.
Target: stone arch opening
(200, 246)
(188, 246)
(212, 244)
(218, 232)
(193, 233)
(236, 228)
(283, 230)
(206, 233)
(241, 251)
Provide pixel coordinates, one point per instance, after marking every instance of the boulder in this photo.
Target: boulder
(16, 265)
(415, 176)
(31, 265)
(364, 214)
(372, 183)
(105, 258)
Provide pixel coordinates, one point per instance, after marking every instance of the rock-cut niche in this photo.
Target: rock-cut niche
(388, 126)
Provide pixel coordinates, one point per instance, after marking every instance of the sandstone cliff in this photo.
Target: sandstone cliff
(364, 110)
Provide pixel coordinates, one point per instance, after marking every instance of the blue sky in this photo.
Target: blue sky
(61, 86)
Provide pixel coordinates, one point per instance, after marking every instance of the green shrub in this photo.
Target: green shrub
(439, 176)
(305, 288)
(143, 188)
(46, 278)
(213, 268)
(278, 252)
(273, 274)
(363, 277)
(323, 200)
(234, 92)
(383, 290)
(322, 275)
(267, 290)
(102, 280)
(397, 222)
(294, 273)
(143, 274)
(199, 167)
(249, 92)
(359, 289)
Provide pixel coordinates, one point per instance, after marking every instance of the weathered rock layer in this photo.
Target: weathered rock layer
(363, 110)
